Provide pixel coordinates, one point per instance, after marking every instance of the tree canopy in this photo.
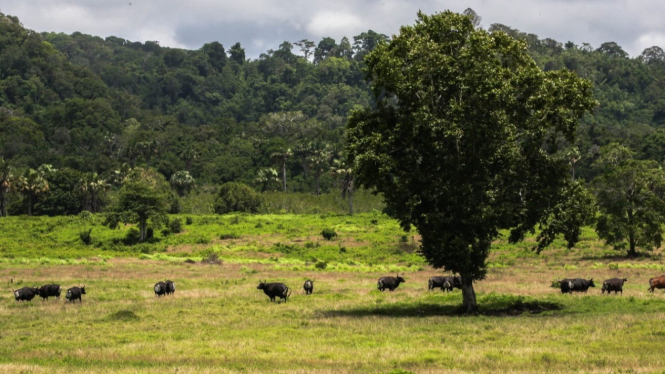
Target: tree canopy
(465, 139)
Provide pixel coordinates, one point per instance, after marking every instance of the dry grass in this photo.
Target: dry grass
(219, 323)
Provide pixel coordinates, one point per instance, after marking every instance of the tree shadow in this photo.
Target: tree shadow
(621, 256)
(495, 309)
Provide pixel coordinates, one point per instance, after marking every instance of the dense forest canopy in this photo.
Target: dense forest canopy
(86, 104)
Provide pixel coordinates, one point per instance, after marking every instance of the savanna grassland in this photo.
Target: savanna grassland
(218, 321)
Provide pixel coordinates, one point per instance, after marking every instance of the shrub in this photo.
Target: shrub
(328, 234)
(212, 259)
(175, 207)
(342, 249)
(403, 238)
(374, 222)
(189, 221)
(322, 265)
(132, 236)
(150, 233)
(237, 197)
(166, 232)
(258, 226)
(229, 236)
(176, 225)
(85, 236)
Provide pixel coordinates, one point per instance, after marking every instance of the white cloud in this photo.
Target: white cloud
(333, 23)
(263, 24)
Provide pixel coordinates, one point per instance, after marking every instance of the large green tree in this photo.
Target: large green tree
(141, 200)
(31, 185)
(464, 138)
(631, 198)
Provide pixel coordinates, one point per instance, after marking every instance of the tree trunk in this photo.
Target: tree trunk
(147, 163)
(469, 296)
(284, 174)
(318, 176)
(3, 205)
(632, 251)
(142, 227)
(350, 203)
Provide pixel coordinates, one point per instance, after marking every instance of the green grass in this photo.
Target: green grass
(219, 322)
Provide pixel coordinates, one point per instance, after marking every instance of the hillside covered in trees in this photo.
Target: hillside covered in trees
(86, 104)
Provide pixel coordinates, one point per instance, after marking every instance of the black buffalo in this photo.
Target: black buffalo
(25, 293)
(74, 294)
(576, 285)
(274, 290)
(170, 287)
(566, 285)
(614, 284)
(49, 290)
(160, 289)
(445, 283)
(389, 282)
(309, 287)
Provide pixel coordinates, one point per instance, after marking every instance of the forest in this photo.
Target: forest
(83, 110)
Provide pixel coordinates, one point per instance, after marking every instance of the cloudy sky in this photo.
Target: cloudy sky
(260, 25)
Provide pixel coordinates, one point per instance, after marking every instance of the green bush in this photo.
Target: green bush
(237, 197)
(175, 207)
(85, 236)
(189, 221)
(175, 225)
(322, 265)
(328, 234)
(229, 236)
(132, 237)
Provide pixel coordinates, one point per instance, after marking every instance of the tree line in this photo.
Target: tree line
(79, 113)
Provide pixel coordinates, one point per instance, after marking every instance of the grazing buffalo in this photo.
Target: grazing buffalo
(452, 282)
(49, 290)
(74, 294)
(445, 283)
(576, 285)
(170, 287)
(566, 285)
(274, 290)
(614, 284)
(309, 287)
(658, 282)
(435, 282)
(160, 289)
(25, 293)
(389, 282)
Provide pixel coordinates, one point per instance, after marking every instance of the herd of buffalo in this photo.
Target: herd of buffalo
(281, 291)
(49, 290)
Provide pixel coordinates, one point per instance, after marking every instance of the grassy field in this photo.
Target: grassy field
(218, 322)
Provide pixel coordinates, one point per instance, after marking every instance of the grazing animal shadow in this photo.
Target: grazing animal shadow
(515, 308)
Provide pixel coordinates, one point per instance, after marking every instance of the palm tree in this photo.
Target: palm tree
(282, 158)
(6, 182)
(147, 149)
(318, 163)
(266, 177)
(182, 182)
(340, 170)
(93, 188)
(31, 184)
